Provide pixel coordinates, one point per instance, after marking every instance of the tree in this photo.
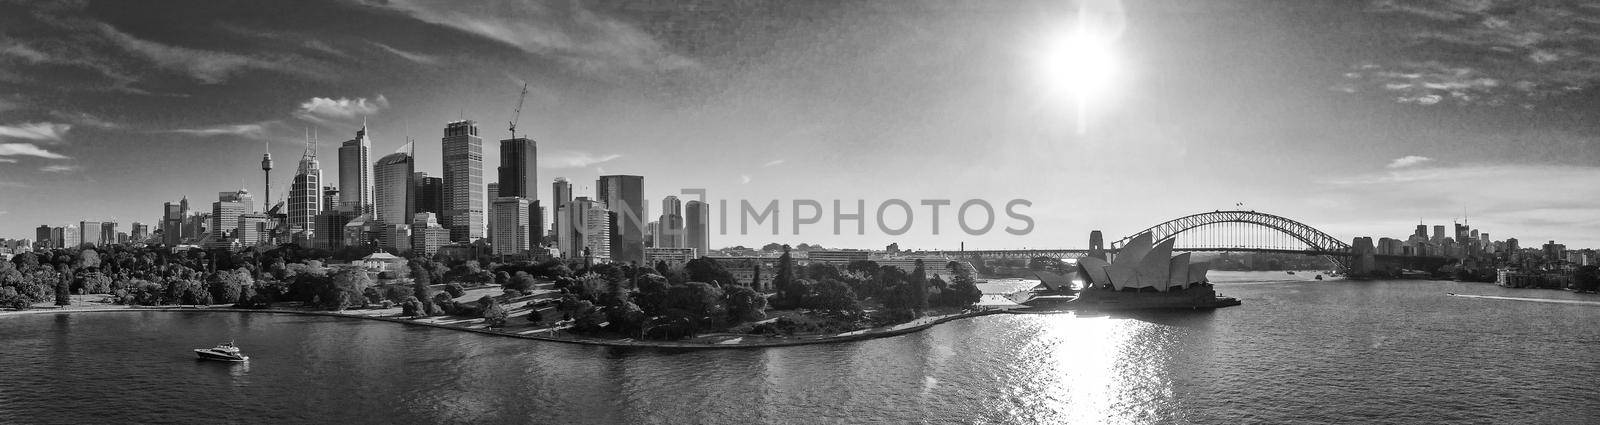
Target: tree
(227, 286)
(745, 304)
(963, 291)
(784, 281)
(493, 313)
(64, 285)
(831, 295)
(348, 289)
(705, 269)
(755, 276)
(698, 302)
(522, 281)
(919, 287)
(94, 283)
(1587, 278)
(774, 247)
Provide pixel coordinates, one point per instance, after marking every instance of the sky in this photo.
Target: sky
(1359, 118)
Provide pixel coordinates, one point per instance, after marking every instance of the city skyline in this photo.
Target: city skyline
(1314, 122)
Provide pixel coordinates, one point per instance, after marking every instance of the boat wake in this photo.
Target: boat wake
(1538, 300)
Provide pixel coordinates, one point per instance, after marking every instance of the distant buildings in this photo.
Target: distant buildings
(427, 235)
(395, 202)
(560, 195)
(305, 193)
(429, 192)
(355, 173)
(674, 257)
(512, 232)
(669, 228)
(697, 226)
(225, 215)
(463, 181)
(88, 234)
(624, 195)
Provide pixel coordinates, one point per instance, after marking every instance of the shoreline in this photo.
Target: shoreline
(860, 335)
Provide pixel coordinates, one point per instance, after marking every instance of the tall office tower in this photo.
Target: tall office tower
(395, 201)
(225, 215)
(141, 232)
(560, 195)
(488, 215)
(511, 228)
(573, 216)
(108, 232)
(266, 171)
(463, 181)
(355, 173)
(598, 235)
(305, 193)
(697, 226)
(252, 229)
(518, 172)
(1484, 237)
(669, 231)
(624, 195)
(1422, 232)
(429, 192)
(89, 233)
(330, 199)
(69, 236)
(1461, 233)
(328, 232)
(41, 236)
(1438, 234)
(427, 235)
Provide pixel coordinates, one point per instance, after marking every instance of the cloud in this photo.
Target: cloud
(28, 149)
(565, 31)
(324, 110)
(573, 159)
(744, 179)
(60, 168)
(208, 66)
(1408, 160)
(772, 163)
(410, 56)
(1483, 52)
(253, 131)
(7, 161)
(84, 119)
(43, 131)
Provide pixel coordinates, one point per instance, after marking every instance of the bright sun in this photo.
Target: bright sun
(1079, 64)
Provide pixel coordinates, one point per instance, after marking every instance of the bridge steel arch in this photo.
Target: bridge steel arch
(1321, 243)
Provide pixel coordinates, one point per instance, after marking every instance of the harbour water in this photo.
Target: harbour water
(1297, 351)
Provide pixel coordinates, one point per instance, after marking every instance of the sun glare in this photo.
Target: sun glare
(1079, 64)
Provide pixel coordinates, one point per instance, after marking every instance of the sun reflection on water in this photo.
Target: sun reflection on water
(1095, 370)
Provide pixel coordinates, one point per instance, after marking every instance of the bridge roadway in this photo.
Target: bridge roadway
(1075, 253)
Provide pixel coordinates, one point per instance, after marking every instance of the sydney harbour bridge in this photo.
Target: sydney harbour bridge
(1232, 231)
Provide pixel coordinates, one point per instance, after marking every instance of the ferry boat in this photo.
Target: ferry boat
(222, 352)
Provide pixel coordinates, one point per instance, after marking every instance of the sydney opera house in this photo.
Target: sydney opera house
(1144, 274)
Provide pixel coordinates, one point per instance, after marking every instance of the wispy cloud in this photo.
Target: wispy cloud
(60, 168)
(566, 31)
(1484, 52)
(253, 131)
(573, 159)
(4, 160)
(84, 119)
(324, 110)
(208, 66)
(42, 131)
(1408, 160)
(773, 163)
(744, 179)
(410, 56)
(1521, 200)
(28, 149)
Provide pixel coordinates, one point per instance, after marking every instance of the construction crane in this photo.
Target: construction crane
(517, 114)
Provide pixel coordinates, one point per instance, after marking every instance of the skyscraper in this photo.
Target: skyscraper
(669, 231)
(560, 195)
(89, 233)
(463, 181)
(395, 202)
(427, 235)
(624, 195)
(429, 193)
(355, 173)
(41, 236)
(511, 225)
(141, 232)
(108, 232)
(518, 171)
(305, 194)
(574, 217)
(225, 215)
(697, 226)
